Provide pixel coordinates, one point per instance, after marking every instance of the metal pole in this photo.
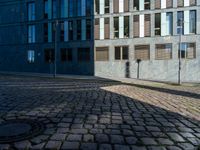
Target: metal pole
(180, 40)
(55, 51)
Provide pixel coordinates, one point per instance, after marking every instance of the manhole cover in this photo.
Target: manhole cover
(17, 130)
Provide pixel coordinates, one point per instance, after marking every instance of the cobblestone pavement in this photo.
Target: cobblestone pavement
(97, 114)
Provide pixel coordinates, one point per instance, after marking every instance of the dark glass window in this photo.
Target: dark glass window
(49, 55)
(88, 29)
(83, 54)
(121, 53)
(71, 8)
(107, 6)
(54, 7)
(157, 24)
(46, 9)
(136, 5)
(147, 4)
(62, 32)
(66, 54)
(70, 27)
(31, 11)
(125, 52)
(117, 53)
(116, 27)
(45, 32)
(88, 7)
(79, 29)
(97, 6)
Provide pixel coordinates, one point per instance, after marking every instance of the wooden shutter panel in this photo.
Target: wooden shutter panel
(107, 28)
(136, 25)
(163, 52)
(169, 3)
(142, 52)
(191, 51)
(102, 54)
(96, 30)
(192, 2)
(116, 6)
(157, 4)
(126, 5)
(147, 25)
(180, 3)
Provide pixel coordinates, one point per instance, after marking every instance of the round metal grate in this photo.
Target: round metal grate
(18, 130)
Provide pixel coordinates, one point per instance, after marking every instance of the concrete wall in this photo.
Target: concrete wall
(165, 70)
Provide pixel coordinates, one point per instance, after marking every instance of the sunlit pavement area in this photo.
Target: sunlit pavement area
(102, 114)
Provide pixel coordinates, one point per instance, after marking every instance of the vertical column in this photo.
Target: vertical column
(163, 4)
(83, 26)
(152, 25)
(131, 26)
(111, 28)
(50, 32)
(121, 5)
(101, 28)
(186, 3)
(121, 26)
(186, 21)
(175, 23)
(198, 19)
(49, 9)
(102, 4)
(66, 31)
(163, 24)
(141, 25)
(141, 4)
(83, 8)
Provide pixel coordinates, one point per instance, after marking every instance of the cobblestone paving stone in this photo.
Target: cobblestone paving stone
(100, 114)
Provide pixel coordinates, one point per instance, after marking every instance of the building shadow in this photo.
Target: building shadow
(86, 113)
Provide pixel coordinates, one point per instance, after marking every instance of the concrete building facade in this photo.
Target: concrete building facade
(144, 39)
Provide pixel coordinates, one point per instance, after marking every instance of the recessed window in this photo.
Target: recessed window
(97, 6)
(107, 6)
(116, 27)
(126, 26)
(121, 53)
(187, 51)
(102, 53)
(163, 51)
(147, 4)
(136, 5)
(66, 54)
(31, 56)
(180, 22)
(193, 21)
(142, 52)
(157, 24)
